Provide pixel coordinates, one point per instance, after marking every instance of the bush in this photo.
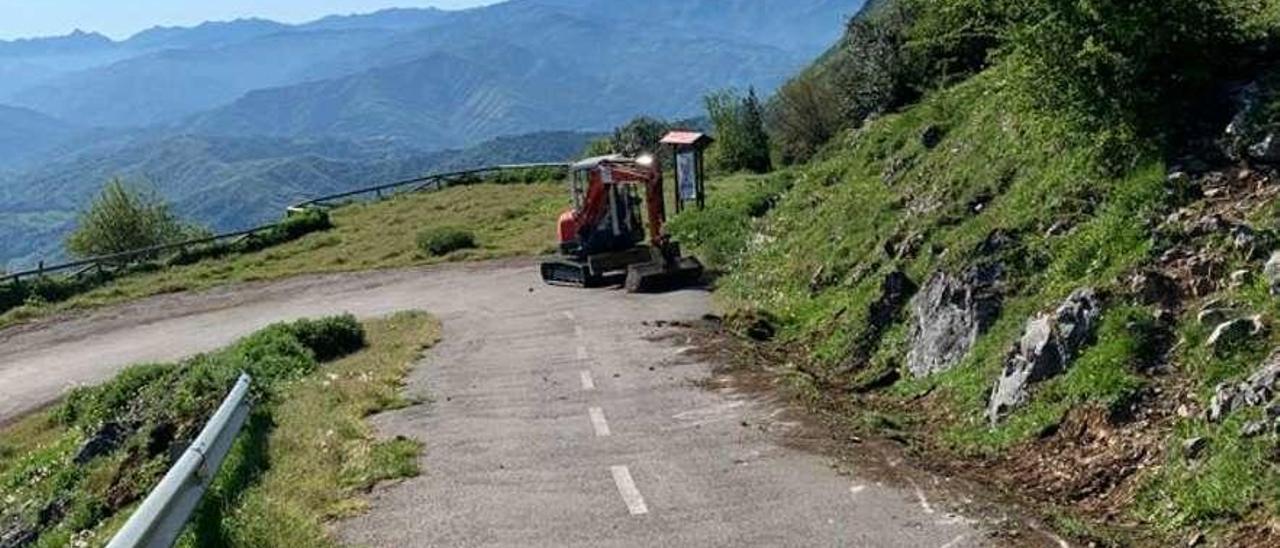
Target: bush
(125, 218)
(329, 338)
(1137, 63)
(441, 241)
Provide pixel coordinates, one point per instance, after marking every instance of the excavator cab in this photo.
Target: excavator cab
(605, 233)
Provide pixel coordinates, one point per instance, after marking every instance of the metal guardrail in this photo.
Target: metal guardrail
(429, 182)
(165, 512)
(130, 256)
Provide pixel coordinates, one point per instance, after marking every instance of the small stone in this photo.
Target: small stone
(1196, 538)
(1184, 411)
(1253, 429)
(1233, 332)
(1241, 278)
(1194, 447)
(1267, 150)
(1272, 272)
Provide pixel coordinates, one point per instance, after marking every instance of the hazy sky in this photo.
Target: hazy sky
(121, 18)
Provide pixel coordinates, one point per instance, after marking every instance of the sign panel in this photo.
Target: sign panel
(687, 175)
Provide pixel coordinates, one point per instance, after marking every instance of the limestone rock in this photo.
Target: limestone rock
(1257, 390)
(1049, 344)
(948, 316)
(1272, 272)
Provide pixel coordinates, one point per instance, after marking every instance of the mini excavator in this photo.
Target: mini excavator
(603, 235)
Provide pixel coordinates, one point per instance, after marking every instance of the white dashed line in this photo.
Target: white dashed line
(627, 488)
(582, 352)
(587, 382)
(597, 420)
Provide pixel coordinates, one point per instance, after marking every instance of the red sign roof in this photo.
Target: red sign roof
(690, 138)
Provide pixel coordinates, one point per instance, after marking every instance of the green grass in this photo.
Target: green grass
(321, 454)
(506, 219)
(304, 457)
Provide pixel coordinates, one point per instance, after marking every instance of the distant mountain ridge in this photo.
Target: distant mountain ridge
(346, 98)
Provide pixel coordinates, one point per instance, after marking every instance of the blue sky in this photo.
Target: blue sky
(121, 18)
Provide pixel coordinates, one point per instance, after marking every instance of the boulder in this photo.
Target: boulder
(1049, 344)
(948, 316)
(1257, 390)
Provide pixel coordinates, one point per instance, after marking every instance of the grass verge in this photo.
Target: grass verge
(73, 474)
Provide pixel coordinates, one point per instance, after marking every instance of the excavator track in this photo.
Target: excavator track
(568, 273)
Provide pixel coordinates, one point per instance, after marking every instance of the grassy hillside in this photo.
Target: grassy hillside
(975, 234)
(507, 220)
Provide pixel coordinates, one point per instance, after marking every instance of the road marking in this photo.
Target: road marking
(587, 382)
(597, 420)
(577, 331)
(582, 352)
(627, 488)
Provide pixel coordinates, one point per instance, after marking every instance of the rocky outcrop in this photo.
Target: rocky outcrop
(1049, 344)
(1248, 137)
(1257, 390)
(948, 316)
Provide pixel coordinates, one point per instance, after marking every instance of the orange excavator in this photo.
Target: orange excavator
(603, 234)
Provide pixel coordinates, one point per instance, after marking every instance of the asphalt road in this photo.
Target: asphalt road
(553, 417)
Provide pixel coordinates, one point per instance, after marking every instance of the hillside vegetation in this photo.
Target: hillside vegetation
(1019, 238)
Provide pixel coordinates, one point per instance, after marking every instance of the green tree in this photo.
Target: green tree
(802, 117)
(125, 218)
(643, 134)
(741, 140)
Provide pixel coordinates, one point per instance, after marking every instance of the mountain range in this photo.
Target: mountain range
(390, 91)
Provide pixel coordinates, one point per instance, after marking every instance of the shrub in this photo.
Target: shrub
(329, 338)
(1099, 63)
(441, 241)
(125, 218)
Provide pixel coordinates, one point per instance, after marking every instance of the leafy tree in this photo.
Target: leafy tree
(125, 218)
(802, 117)
(741, 140)
(643, 134)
